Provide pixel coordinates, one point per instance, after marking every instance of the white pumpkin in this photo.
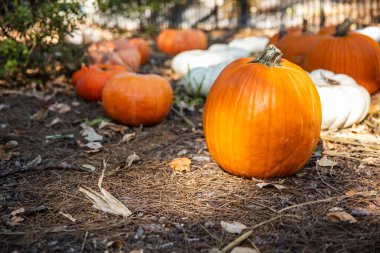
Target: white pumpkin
(344, 102)
(250, 44)
(188, 60)
(371, 31)
(199, 81)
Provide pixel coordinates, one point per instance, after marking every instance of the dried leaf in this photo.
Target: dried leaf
(75, 103)
(94, 145)
(96, 122)
(90, 134)
(15, 221)
(132, 158)
(243, 250)
(54, 122)
(68, 216)
(10, 145)
(4, 156)
(18, 211)
(180, 164)
(40, 114)
(325, 162)
(106, 202)
(341, 216)
(270, 185)
(3, 106)
(117, 244)
(234, 227)
(112, 126)
(60, 108)
(182, 152)
(128, 137)
(201, 158)
(136, 251)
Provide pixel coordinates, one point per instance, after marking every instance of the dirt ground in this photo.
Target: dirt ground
(171, 211)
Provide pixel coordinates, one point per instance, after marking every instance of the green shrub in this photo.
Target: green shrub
(31, 38)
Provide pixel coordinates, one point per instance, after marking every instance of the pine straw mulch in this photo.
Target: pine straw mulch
(172, 211)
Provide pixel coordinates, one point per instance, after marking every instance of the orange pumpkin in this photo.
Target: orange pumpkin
(296, 46)
(353, 54)
(284, 33)
(143, 48)
(172, 41)
(262, 118)
(135, 99)
(327, 30)
(78, 74)
(116, 52)
(91, 84)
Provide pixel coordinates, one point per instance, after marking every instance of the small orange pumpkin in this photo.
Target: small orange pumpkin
(173, 41)
(91, 84)
(143, 48)
(296, 46)
(350, 53)
(116, 52)
(78, 74)
(262, 118)
(283, 33)
(135, 99)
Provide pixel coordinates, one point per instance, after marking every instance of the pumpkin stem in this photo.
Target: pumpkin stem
(342, 29)
(304, 26)
(270, 57)
(282, 31)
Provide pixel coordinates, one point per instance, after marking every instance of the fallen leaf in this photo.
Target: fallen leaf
(114, 127)
(117, 244)
(341, 216)
(270, 185)
(90, 134)
(15, 221)
(182, 152)
(132, 158)
(68, 216)
(40, 114)
(60, 108)
(94, 145)
(106, 202)
(96, 122)
(201, 158)
(234, 227)
(75, 103)
(180, 164)
(136, 251)
(243, 250)
(18, 211)
(325, 162)
(89, 166)
(10, 145)
(128, 137)
(54, 122)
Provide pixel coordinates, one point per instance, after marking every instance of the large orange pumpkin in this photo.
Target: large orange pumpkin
(135, 99)
(262, 117)
(143, 48)
(353, 54)
(78, 74)
(296, 46)
(91, 84)
(172, 41)
(116, 52)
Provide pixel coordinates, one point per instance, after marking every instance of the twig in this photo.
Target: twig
(84, 241)
(247, 234)
(186, 119)
(311, 203)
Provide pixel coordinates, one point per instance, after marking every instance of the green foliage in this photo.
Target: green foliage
(31, 37)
